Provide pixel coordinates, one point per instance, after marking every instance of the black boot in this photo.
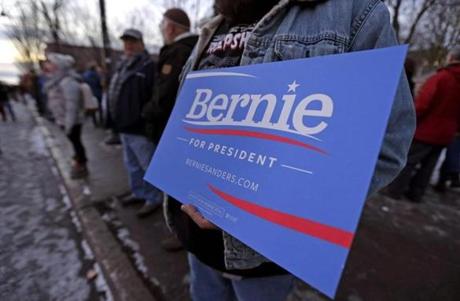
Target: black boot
(441, 186)
(455, 181)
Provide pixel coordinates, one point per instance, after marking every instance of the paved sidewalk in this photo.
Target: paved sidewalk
(163, 274)
(43, 255)
(402, 251)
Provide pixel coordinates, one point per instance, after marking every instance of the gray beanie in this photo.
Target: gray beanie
(63, 61)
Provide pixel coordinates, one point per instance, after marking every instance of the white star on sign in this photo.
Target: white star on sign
(293, 86)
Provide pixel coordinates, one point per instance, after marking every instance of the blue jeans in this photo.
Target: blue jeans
(207, 284)
(452, 161)
(137, 152)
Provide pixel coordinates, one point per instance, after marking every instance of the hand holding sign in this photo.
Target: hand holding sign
(281, 158)
(198, 218)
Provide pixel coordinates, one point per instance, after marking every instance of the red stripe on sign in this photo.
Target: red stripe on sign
(258, 135)
(324, 232)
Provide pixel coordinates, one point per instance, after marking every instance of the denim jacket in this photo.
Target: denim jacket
(296, 29)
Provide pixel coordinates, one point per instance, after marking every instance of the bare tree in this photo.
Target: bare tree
(82, 27)
(439, 31)
(38, 22)
(148, 17)
(407, 14)
(194, 8)
(34, 23)
(147, 20)
(431, 27)
(26, 34)
(174, 3)
(396, 6)
(52, 13)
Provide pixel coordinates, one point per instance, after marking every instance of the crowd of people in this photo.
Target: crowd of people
(142, 94)
(6, 110)
(437, 108)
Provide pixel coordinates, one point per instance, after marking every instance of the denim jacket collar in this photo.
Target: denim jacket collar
(210, 28)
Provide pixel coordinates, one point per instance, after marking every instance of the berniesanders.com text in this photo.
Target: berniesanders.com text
(223, 175)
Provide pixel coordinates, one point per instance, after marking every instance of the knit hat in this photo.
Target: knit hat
(131, 33)
(63, 61)
(178, 16)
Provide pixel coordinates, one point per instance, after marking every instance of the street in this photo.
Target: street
(402, 251)
(42, 254)
(318, 139)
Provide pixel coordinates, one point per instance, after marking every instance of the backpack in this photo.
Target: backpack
(90, 103)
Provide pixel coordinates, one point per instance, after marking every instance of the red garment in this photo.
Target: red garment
(438, 107)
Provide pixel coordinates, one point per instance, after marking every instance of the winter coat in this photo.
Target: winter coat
(3, 93)
(171, 61)
(438, 107)
(130, 89)
(64, 99)
(93, 79)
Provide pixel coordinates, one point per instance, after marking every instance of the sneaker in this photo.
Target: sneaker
(147, 209)
(113, 140)
(131, 200)
(171, 244)
(78, 171)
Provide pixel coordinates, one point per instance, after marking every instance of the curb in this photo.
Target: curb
(122, 279)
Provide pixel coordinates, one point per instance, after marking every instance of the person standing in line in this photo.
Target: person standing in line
(66, 104)
(4, 103)
(438, 120)
(130, 89)
(93, 79)
(179, 43)
(255, 32)
(449, 175)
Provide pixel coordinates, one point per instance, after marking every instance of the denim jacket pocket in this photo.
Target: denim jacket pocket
(291, 47)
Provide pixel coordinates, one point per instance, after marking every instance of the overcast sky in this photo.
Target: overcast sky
(8, 71)
(119, 13)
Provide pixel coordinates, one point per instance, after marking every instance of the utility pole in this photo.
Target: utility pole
(197, 8)
(107, 50)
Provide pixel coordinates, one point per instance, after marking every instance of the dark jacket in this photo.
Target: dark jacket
(3, 93)
(92, 78)
(172, 59)
(130, 89)
(438, 107)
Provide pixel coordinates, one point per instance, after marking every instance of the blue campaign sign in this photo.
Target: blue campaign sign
(281, 155)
